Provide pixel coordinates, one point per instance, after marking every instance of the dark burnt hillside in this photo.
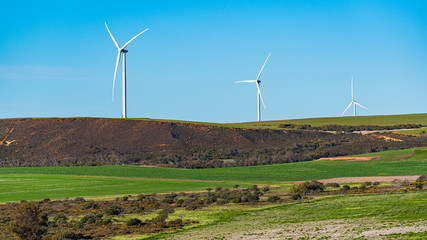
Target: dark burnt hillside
(96, 141)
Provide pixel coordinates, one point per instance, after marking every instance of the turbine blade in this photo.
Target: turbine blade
(114, 40)
(346, 109)
(259, 74)
(133, 38)
(360, 105)
(245, 81)
(259, 92)
(115, 72)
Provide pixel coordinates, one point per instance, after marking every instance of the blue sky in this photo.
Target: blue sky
(57, 59)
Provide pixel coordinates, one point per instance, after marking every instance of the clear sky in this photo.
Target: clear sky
(57, 59)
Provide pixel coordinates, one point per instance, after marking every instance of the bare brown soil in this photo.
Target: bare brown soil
(368, 179)
(349, 158)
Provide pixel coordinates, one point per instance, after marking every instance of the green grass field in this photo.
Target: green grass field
(16, 187)
(35, 183)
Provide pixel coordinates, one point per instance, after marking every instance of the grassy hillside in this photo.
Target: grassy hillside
(386, 120)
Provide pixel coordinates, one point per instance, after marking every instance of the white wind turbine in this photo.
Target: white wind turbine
(123, 51)
(257, 81)
(352, 101)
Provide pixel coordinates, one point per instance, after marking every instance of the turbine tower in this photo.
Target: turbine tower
(257, 81)
(353, 102)
(123, 51)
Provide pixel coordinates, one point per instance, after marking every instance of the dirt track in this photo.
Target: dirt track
(368, 179)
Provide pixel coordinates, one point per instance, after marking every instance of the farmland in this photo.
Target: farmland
(61, 182)
(215, 203)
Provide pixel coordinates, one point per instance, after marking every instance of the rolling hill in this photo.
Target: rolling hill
(100, 141)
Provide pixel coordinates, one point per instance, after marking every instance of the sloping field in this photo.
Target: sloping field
(35, 183)
(389, 163)
(385, 120)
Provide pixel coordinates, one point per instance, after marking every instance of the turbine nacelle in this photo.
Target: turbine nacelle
(124, 51)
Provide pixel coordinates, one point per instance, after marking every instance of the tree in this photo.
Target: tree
(28, 223)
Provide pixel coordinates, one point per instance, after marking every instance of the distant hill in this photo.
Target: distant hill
(381, 120)
(100, 141)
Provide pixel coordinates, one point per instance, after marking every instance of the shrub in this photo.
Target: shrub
(134, 222)
(71, 235)
(376, 183)
(217, 189)
(113, 210)
(422, 178)
(273, 199)
(79, 199)
(88, 219)
(304, 188)
(161, 217)
(266, 189)
(365, 184)
(419, 186)
(345, 188)
(60, 218)
(193, 206)
(236, 186)
(90, 205)
(296, 196)
(334, 185)
(28, 225)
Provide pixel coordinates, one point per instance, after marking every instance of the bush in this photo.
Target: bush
(193, 206)
(90, 205)
(134, 222)
(161, 217)
(376, 183)
(266, 189)
(334, 185)
(296, 196)
(71, 236)
(311, 187)
(60, 218)
(79, 199)
(28, 224)
(273, 199)
(419, 186)
(113, 210)
(345, 188)
(365, 184)
(422, 178)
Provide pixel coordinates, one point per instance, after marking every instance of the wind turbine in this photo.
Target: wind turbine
(257, 81)
(123, 51)
(352, 102)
